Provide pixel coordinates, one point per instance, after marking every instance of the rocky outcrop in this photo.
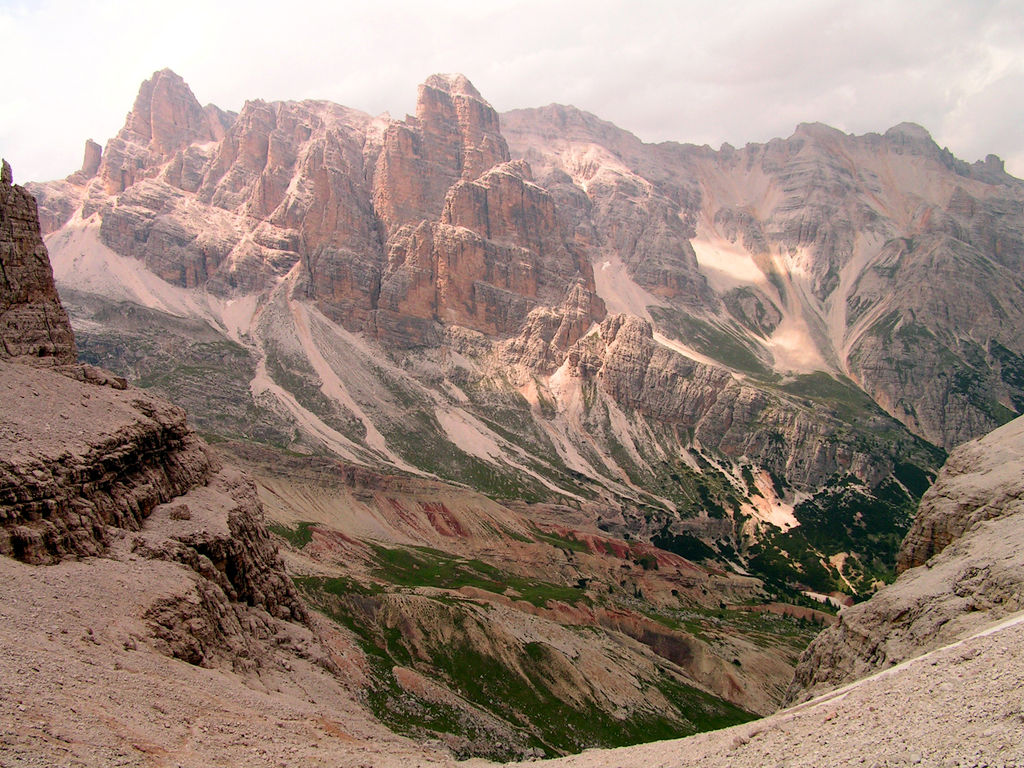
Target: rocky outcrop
(87, 468)
(637, 372)
(970, 539)
(34, 327)
(78, 458)
(216, 531)
(980, 481)
(91, 159)
(165, 119)
(453, 136)
(549, 332)
(497, 252)
(804, 445)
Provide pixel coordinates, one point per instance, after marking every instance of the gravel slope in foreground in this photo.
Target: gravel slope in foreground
(960, 705)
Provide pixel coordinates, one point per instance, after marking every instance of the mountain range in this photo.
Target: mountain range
(528, 399)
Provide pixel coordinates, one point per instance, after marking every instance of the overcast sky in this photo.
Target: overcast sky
(685, 70)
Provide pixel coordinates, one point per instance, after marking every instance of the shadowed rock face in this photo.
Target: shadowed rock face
(33, 325)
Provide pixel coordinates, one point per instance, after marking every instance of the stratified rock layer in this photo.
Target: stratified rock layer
(84, 460)
(76, 458)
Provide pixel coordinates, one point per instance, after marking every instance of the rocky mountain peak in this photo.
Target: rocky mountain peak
(447, 101)
(911, 138)
(165, 120)
(454, 83)
(454, 135)
(167, 114)
(908, 131)
(818, 131)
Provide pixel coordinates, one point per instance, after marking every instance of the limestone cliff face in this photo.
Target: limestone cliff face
(164, 121)
(820, 251)
(498, 251)
(397, 227)
(960, 570)
(646, 225)
(804, 445)
(33, 325)
(453, 136)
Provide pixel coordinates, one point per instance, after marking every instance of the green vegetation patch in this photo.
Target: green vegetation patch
(562, 542)
(847, 517)
(425, 567)
(694, 491)
(298, 537)
(683, 544)
(520, 685)
(846, 400)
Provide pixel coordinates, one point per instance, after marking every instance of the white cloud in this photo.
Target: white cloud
(697, 71)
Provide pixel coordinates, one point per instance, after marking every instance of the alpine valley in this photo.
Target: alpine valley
(571, 439)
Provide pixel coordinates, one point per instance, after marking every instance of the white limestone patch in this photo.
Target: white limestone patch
(794, 348)
(469, 434)
(622, 294)
(726, 265)
(333, 387)
(82, 262)
(768, 507)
